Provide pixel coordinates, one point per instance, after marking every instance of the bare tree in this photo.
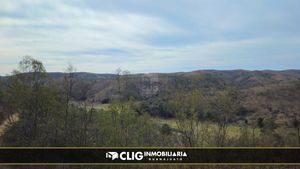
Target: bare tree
(225, 104)
(187, 107)
(68, 87)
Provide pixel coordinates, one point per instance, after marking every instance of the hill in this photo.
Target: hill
(267, 93)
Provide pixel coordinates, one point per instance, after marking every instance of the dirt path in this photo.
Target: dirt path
(8, 123)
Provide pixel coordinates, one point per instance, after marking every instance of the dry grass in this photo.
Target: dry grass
(8, 122)
(233, 130)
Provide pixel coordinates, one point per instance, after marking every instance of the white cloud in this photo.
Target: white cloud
(57, 32)
(61, 28)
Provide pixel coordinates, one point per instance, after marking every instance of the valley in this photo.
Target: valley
(198, 108)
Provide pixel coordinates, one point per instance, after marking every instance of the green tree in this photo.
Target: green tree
(225, 104)
(36, 104)
(187, 106)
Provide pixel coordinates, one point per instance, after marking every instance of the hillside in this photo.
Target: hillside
(207, 99)
(268, 93)
(147, 85)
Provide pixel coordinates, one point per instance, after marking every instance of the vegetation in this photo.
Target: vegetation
(146, 110)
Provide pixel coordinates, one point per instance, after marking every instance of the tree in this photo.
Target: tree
(244, 139)
(254, 128)
(260, 123)
(31, 71)
(225, 104)
(86, 120)
(34, 73)
(36, 103)
(187, 106)
(296, 125)
(166, 129)
(121, 84)
(2, 114)
(68, 87)
(118, 82)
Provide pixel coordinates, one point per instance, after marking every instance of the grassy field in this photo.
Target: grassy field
(101, 106)
(233, 130)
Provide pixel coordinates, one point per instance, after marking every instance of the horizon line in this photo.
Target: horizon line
(196, 70)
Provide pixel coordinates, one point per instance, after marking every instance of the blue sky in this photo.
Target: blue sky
(151, 35)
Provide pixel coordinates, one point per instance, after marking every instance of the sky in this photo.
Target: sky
(151, 35)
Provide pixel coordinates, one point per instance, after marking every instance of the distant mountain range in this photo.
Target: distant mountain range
(101, 85)
(82, 75)
(242, 78)
(227, 73)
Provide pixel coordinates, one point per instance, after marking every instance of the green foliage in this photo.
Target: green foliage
(187, 107)
(28, 64)
(260, 122)
(121, 125)
(192, 116)
(225, 105)
(158, 106)
(269, 125)
(247, 135)
(166, 129)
